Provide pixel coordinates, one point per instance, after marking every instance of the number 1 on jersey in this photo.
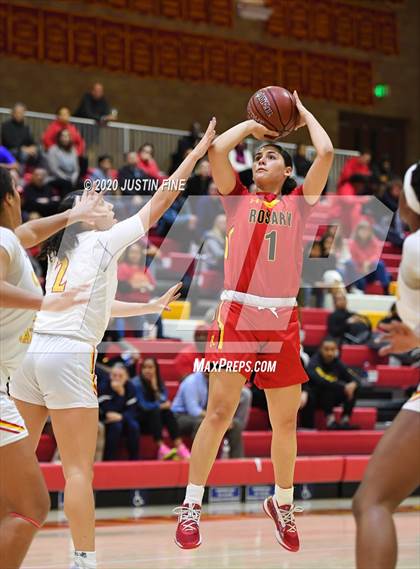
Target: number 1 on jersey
(272, 246)
(59, 285)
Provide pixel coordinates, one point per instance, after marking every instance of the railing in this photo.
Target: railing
(118, 138)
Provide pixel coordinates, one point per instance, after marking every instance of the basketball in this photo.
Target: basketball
(275, 108)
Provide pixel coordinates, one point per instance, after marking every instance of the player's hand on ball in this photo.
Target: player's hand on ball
(302, 111)
(260, 132)
(400, 338)
(201, 149)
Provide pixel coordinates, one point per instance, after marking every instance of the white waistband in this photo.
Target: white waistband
(257, 301)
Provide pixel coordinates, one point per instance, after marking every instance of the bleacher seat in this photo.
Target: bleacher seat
(314, 316)
(397, 377)
(314, 334)
(258, 420)
(391, 260)
(161, 349)
(357, 356)
(363, 417)
(310, 443)
(391, 248)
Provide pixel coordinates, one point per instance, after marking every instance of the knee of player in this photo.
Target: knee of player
(220, 415)
(285, 423)
(36, 508)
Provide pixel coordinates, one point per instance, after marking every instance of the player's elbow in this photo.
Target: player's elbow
(326, 151)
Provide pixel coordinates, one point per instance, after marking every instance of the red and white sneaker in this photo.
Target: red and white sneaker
(284, 519)
(188, 530)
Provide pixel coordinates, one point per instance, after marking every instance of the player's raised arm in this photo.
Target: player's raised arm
(121, 309)
(88, 208)
(222, 171)
(164, 197)
(317, 176)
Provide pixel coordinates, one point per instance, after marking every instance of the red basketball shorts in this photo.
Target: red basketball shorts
(247, 339)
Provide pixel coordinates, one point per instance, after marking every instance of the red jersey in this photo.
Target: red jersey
(264, 242)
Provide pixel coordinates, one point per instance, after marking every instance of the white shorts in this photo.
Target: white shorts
(12, 426)
(57, 373)
(413, 404)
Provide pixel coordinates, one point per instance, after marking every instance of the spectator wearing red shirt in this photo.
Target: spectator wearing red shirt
(365, 251)
(135, 284)
(147, 163)
(356, 165)
(347, 209)
(62, 122)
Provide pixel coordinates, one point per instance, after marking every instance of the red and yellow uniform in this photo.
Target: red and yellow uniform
(257, 318)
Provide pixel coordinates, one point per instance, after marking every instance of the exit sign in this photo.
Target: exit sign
(381, 90)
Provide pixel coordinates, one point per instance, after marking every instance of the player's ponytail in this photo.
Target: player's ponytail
(66, 239)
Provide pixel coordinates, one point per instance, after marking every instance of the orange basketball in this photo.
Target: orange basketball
(275, 108)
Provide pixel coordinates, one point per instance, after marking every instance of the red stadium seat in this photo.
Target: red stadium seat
(357, 355)
(172, 388)
(374, 288)
(314, 334)
(398, 377)
(258, 420)
(257, 443)
(168, 371)
(46, 448)
(390, 248)
(181, 263)
(211, 281)
(363, 417)
(314, 316)
(391, 260)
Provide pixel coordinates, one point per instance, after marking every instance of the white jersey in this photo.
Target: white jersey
(408, 303)
(15, 324)
(92, 261)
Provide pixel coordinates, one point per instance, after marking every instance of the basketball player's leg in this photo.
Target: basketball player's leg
(35, 417)
(283, 405)
(24, 501)
(76, 431)
(224, 394)
(392, 474)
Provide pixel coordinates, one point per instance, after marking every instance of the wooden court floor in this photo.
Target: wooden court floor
(240, 541)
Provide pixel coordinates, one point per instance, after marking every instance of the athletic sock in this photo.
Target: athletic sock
(85, 559)
(194, 494)
(284, 495)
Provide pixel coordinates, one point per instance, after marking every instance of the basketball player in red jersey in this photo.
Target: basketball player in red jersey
(257, 319)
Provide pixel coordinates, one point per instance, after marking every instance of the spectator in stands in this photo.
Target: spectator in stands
(180, 220)
(62, 122)
(348, 209)
(318, 259)
(129, 173)
(344, 325)
(7, 160)
(154, 411)
(365, 250)
(63, 164)
(383, 170)
(104, 169)
(241, 159)
(341, 247)
(135, 284)
(190, 405)
(213, 250)
(185, 144)
(184, 360)
(207, 209)
(332, 383)
(17, 137)
(147, 163)
(301, 163)
(39, 195)
(390, 198)
(118, 407)
(95, 106)
(198, 184)
(356, 165)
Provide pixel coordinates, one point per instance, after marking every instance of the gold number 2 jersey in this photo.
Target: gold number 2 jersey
(93, 261)
(15, 324)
